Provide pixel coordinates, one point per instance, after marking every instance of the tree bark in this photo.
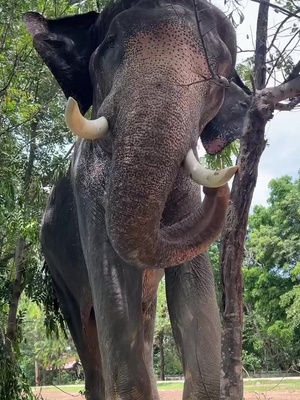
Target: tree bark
(37, 373)
(233, 238)
(261, 45)
(232, 251)
(16, 293)
(31, 158)
(162, 356)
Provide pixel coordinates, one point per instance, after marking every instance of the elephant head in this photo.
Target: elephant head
(154, 84)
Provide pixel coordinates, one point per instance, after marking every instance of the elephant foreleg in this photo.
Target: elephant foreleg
(117, 298)
(195, 322)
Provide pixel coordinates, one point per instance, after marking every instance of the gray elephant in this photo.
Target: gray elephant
(127, 211)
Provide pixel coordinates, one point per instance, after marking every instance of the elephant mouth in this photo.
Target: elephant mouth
(98, 128)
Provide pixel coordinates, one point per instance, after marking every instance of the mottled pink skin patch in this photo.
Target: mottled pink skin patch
(215, 146)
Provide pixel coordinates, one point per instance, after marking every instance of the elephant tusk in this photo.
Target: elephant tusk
(204, 176)
(82, 127)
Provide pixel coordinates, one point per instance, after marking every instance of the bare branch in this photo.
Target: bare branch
(282, 92)
(69, 151)
(288, 106)
(278, 8)
(244, 51)
(212, 74)
(281, 55)
(219, 80)
(274, 37)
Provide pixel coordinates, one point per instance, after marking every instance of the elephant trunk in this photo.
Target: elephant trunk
(148, 152)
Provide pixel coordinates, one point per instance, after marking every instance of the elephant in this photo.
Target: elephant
(158, 76)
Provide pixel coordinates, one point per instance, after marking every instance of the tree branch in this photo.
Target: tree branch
(16, 293)
(219, 80)
(282, 92)
(9, 256)
(288, 106)
(261, 45)
(274, 37)
(281, 54)
(278, 8)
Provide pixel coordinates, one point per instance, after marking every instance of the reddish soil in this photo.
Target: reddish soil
(177, 395)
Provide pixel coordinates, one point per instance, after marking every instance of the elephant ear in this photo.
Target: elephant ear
(227, 125)
(65, 46)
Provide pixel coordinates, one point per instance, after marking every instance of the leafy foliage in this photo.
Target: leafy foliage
(34, 143)
(13, 380)
(271, 279)
(166, 359)
(33, 146)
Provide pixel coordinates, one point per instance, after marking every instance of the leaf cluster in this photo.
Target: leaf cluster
(271, 280)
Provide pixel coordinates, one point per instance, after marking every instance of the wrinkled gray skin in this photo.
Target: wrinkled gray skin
(127, 210)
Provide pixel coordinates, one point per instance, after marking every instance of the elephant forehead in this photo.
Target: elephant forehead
(172, 45)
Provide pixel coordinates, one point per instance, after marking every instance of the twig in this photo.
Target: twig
(10, 77)
(69, 394)
(219, 80)
(202, 39)
(69, 151)
(276, 7)
(295, 72)
(281, 55)
(274, 37)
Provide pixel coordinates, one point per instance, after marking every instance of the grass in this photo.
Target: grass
(263, 385)
(66, 388)
(251, 385)
(170, 385)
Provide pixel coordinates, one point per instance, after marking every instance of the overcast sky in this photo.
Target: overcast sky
(281, 157)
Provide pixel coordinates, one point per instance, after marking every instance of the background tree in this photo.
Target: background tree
(271, 278)
(49, 353)
(252, 145)
(33, 148)
(166, 360)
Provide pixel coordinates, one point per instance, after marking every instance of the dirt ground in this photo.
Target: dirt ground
(177, 395)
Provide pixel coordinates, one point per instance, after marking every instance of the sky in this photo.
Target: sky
(282, 155)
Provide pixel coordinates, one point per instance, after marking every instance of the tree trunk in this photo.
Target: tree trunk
(20, 249)
(37, 373)
(232, 247)
(232, 251)
(162, 356)
(31, 158)
(16, 293)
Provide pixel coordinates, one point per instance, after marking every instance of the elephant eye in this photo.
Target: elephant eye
(108, 43)
(243, 104)
(111, 41)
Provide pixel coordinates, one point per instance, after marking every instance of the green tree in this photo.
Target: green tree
(33, 145)
(271, 279)
(166, 360)
(48, 352)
